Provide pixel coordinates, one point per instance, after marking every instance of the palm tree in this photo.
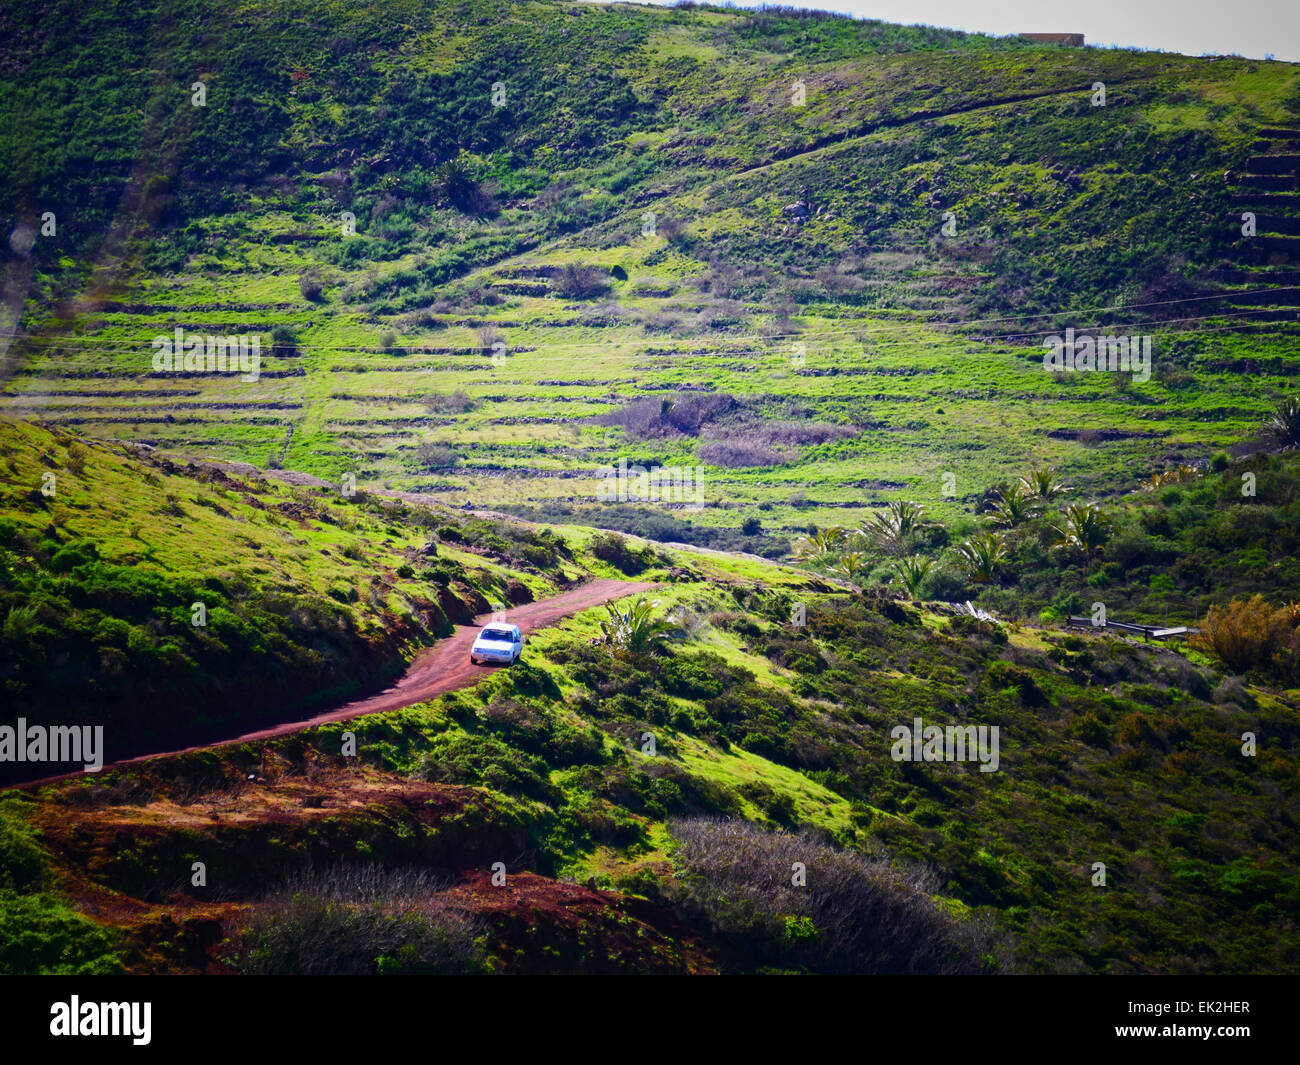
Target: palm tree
(1015, 506)
(636, 629)
(456, 180)
(911, 572)
(820, 543)
(1043, 485)
(1283, 425)
(851, 564)
(1085, 527)
(1167, 477)
(980, 556)
(899, 521)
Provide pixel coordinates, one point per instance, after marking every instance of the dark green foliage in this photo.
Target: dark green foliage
(39, 933)
(86, 642)
(512, 544)
(852, 915)
(657, 525)
(22, 862)
(612, 548)
(1177, 553)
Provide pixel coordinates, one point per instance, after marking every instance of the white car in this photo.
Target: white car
(498, 643)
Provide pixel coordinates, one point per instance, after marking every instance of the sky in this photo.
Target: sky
(1254, 28)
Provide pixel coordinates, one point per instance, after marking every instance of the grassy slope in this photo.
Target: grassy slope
(309, 594)
(1110, 752)
(1060, 210)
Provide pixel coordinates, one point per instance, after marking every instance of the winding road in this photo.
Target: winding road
(443, 667)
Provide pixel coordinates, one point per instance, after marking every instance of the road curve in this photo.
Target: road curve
(443, 667)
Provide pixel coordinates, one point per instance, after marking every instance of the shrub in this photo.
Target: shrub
(659, 322)
(1283, 426)
(40, 934)
(310, 287)
(434, 456)
(457, 185)
(671, 229)
(578, 282)
(358, 920)
(636, 629)
(856, 914)
(1249, 634)
(22, 864)
(740, 453)
(457, 402)
(284, 341)
(613, 549)
(684, 414)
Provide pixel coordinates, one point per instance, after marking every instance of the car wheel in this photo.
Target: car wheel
(473, 661)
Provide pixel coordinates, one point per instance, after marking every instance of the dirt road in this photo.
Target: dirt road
(441, 668)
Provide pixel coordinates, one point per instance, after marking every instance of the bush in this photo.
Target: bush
(434, 456)
(855, 914)
(457, 402)
(613, 549)
(1249, 634)
(578, 282)
(740, 454)
(682, 414)
(310, 287)
(40, 935)
(359, 920)
(22, 863)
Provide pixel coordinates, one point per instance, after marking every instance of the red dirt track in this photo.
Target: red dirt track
(438, 669)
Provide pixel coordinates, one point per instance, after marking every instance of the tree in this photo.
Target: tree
(980, 557)
(1015, 506)
(820, 543)
(899, 522)
(851, 564)
(912, 572)
(1283, 425)
(1043, 485)
(636, 629)
(456, 181)
(1085, 527)
(578, 282)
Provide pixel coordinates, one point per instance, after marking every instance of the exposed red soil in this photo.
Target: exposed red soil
(551, 926)
(537, 925)
(180, 932)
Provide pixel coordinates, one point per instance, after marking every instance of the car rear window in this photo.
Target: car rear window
(498, 634)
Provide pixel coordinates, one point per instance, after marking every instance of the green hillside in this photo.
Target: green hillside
(1110, 751)
(496, 298)
(134, 587)
(647, 215)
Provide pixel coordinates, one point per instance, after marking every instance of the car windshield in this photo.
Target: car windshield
(497, 635)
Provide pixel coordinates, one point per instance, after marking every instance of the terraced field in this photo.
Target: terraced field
(711, 238)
